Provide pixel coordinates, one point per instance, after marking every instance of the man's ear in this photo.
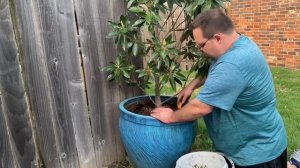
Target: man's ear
(218, 37)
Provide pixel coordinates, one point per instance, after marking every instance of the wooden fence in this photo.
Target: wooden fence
(56, 108)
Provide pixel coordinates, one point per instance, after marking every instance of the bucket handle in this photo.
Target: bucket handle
(227, 159)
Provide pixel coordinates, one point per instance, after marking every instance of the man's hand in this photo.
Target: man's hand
(165, 115)
(185, 95)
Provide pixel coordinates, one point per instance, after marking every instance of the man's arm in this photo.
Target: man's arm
(191, 111)
(185, 94)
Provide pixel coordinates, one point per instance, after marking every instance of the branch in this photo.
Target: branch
(171, 13)
(174, 28)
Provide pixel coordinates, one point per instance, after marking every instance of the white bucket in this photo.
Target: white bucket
(201, 160)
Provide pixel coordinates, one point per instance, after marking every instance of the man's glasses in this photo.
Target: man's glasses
(202, 45)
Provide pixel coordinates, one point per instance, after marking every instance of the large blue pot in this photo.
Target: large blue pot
(150, 143)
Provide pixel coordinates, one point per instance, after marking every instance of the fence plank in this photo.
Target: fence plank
(33, 56)
(103, 97)
(58, 24)
(16, 130)
(75, 85)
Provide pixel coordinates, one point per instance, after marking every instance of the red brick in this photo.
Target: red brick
(273, 25)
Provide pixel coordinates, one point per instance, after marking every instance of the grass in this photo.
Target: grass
(287, 87)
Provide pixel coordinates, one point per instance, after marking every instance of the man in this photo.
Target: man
(237, 100)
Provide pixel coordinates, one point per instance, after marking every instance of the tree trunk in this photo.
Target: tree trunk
(157, 92)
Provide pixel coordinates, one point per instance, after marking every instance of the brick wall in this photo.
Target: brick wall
(274, 25)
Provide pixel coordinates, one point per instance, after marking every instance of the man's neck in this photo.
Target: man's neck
(229, 40)
(232, 39)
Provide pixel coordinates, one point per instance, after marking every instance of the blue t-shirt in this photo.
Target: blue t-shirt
(245, 124)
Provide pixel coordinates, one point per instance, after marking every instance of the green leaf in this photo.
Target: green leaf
(110, 77)
(159, 62)
(163, 54)
(129, 67)
(142, 1)
(180, 76)
(219, 3)
(135, 49)
(186, 34)
(171, 45)
(113, 24)
(130, 3)
(206, 6)
(124, 20)
(141, 74)
(179, 2)
(162, 8)
(118, 40)
(167, 61)
(125, 73)
(203, 70)
(164, 80)
(200, 2)
(153, 57)
(178, 81)
(148, 18)
(129, 44)
(118, 61)
(112, 34)
(170, 4)
(136, 9)
(155, 16)
(108, 68)
(193, 6)
(124, 43)
(172, 83)
(138, 22)
(169, 38)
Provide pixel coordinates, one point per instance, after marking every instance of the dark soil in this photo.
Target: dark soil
(145, 106)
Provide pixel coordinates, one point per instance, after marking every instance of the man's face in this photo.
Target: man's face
(209, 46)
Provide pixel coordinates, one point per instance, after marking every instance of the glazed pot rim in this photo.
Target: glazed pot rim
(143, 119)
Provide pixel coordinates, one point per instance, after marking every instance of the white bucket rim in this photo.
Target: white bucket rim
(189, 160)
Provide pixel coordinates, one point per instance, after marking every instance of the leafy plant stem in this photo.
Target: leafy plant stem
(157, 91)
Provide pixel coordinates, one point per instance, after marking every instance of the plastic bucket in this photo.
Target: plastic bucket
(201, 160)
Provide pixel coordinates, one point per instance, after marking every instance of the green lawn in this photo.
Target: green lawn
(287, 83)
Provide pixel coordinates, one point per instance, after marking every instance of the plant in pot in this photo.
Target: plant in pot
(168, 43)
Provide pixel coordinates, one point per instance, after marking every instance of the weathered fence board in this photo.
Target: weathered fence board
(75, 85)
(67, 79)
(33, 56)
(103, 97)
(17, 147)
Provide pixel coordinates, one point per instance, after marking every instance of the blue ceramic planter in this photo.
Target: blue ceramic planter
(150, 143)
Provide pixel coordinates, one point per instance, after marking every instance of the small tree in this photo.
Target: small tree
(163, 50)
